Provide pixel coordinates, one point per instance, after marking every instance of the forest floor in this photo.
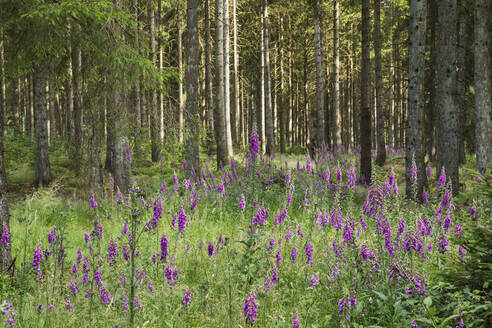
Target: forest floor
(268, 243)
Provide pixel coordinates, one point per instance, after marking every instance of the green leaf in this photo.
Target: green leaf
(428, 301)
(381, 295)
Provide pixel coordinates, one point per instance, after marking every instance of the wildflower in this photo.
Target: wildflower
(293, 254)
(314, 281)
(94, 204)
(164, 249)
(428, 170)
(414, 324)
(157, 213)
(366, 253)
(249, 309)
(37, 258)
(5, 239)
(125, 229)
(442, 180)
(182, 218)
(413, 172)
(136, 302)
(462, 252)
(278, 258)
(128, 152)
(149, 286)
(473, 212)
(425, 197)
(39, 307)
(242, 203)
(210, 249)
(68, 304)
(194, 202)
(112, 253)
(271, 244)
(253, 144)
(186, 298)
(74, 287)
(295, 321)
(261, 216)
(308, 250)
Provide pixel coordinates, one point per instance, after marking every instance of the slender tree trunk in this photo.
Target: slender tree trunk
(155, 145)
(365, 117)
(69, 105)
(208, 69)
(270, 144)
(381, 145)
(227, 89)
(180, 67)
(43, 168)
(461, 79)
(281, 96)
(446, 91)
(51, 100)
(3, 104)
(219, 119)
(335, 116)
(137, 134)
(262, 108)
(28, 118)
(483, 102)
(236, 114)
(5, 253)
(191, 80)
(94, 127)
(121, 161)
(77, 106)
(319, 121)
(415, 148)
(431, 84)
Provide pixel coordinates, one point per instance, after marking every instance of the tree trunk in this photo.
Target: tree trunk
(281, 102)
(431, 84)
(155, 144)
(227, 89)
(461, 79)
(191, 80)
(236, 114)
(77, 107)
(180, 67)
(94, 127)
(365, 111)
(446, 91)
(319, 121)
(268, 99)
(335, 116)
(483, 105)
(43, 168)
(219, 119)
(381, 145)
(5, 254)
(3, 104)
(51, 100)
(28, 118)
(69, 105)
(415, 149)
(137, 102)
(208, 69)
(261, 117)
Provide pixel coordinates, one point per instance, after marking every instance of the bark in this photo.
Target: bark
(5, 252)
(155, 144)
(446, 91)
(431, 84)
(43, 168)
(121, 161)
(77, 107)
(28, 117)
(227, 89)
(3, 104)
(180, 67)
(219, 117)
(94, 129)
(52, 103)
(335, 116)
(262, 98)
(415, 148)
(319, 121)
(236, 112)
(461, 80)
(69, 104)
(381, 145)
(365, 111)
(208, 69)
(137, 102)
(192, 82)
(281, 96)
(483, 102)
(270, 142)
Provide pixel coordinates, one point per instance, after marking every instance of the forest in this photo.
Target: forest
(240, 163)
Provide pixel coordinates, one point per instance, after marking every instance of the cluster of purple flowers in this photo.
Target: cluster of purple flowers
(250, 308)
